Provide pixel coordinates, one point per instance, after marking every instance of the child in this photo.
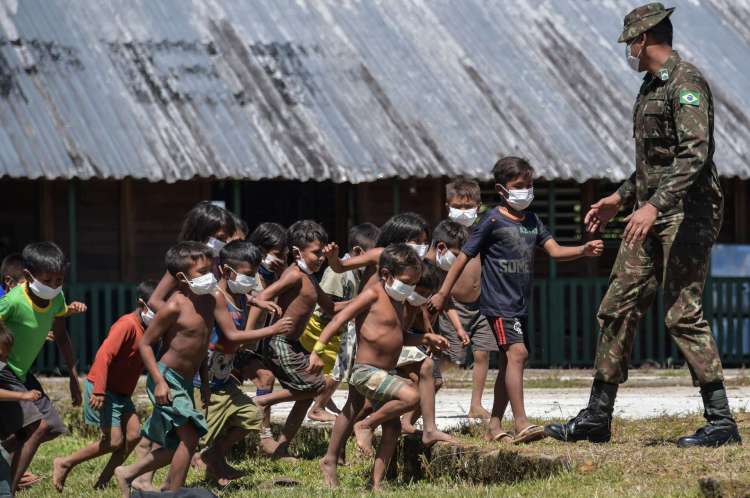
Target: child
(231, 413)
(463, 198)
(505, 239)
(11, 403)
(29, 311)
(184, 324)
(107, 399)
(11, 272)
(297, 292)
(379, 314)
(341, 287)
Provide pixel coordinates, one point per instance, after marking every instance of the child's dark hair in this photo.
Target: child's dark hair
(269, 236)
(241, 225)
(238, 252)
(453, 234)
(511, 167)
(363, 235)
(204, 221)
(6, 337)
(12, 266)
(402, 228)
(463, 187)
(431, 277)
(181, 256)
(145, 289)
(43, 257)
(397, 258)
(304, 232)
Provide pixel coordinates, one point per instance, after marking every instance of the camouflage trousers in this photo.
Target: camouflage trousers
(673, 257)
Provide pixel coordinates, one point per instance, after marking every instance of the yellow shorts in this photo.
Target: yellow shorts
(311, 335)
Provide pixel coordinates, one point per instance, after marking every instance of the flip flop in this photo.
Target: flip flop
(529, 434)
(503, 438)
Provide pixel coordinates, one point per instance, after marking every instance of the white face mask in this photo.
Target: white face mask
(43, 291)
(416, 299)
(215, 245)
(519, 198)
(445, 260)
(399, 291)
(465, 217)
(421, 249)
(301, 262)
(147, 316)
(205, 284)
(269, 261)
(242, 284)
(633, 61)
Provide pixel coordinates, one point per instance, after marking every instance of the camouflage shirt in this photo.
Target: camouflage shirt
(673, 127)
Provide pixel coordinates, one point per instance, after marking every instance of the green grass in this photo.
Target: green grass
(641, 461)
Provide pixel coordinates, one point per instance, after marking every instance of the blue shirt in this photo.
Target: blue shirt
(506, 249)
(221, 351)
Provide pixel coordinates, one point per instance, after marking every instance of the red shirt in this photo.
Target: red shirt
(118, 363)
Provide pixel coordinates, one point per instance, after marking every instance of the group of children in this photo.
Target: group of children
(386, 318)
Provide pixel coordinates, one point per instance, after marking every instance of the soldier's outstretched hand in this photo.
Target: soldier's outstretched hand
(602, 212)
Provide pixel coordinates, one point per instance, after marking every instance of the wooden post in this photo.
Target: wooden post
(438, 199)
(46, 211)
(237, 198)
(73, 230)
(396, 195)
(127, 231)
(341, 222)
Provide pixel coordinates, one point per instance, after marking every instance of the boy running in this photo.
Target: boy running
(107, 402)
(505, 239)
(379, 314)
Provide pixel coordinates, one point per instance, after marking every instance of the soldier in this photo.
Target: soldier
(668, 238)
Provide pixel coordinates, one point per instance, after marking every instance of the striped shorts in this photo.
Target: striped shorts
(509, 330)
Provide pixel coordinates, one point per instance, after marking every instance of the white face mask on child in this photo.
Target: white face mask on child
(399, 291)
(416, 299)
(242, 284)
(43, 291)
(205, 284)
(465, 217)
(147, 316)
(215, 245)
(445, 260)
(301, 262)
(519, 198)
(421, 249)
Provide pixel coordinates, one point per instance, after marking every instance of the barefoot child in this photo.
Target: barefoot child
(232, 415)
(298, 292)
(184, 324)
(379, 314)
(340, 287)
(107, 402)
(29, 311)
(505, 238)
(463, 198)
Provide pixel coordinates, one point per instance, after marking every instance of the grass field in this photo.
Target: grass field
(641, 461)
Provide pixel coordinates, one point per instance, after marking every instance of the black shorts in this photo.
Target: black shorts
(509, 330)
(17, 415)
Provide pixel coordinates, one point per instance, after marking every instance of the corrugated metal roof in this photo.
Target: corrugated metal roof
(341, 90)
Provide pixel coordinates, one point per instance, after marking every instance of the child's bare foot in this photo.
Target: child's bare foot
(431, 437)
(328, 469)
(408, 427)
(282, 453)
(363, 437)
(320, 415)
(122, 482)
(268, 446)
(143, 483)
(479, 412)
(197, 461)
(60, 469)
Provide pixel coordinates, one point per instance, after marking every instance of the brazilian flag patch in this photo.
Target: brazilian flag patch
(688, 97)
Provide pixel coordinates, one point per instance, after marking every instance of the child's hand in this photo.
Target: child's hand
(436, 342)
(75, 391)
(331, 251)
(463, 337)
(50, 336)
(268, 306)
(316, 364)
(436, 303)
(283, 326)
(32, 395)
(593, 248)
(162, 394)
(96, 401)
(76, 307)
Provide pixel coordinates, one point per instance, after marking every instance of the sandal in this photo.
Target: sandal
(529, 434)
(503, 437)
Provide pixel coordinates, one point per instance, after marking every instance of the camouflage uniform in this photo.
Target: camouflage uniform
(673, 127)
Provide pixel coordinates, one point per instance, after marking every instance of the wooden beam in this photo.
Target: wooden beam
(438, 200)
(46, 211)
(127, 231)
(341, 220)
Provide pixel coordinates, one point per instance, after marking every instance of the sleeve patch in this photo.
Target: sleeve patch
(689, 97)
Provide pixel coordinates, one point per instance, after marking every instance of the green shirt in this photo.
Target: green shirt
(29, 324)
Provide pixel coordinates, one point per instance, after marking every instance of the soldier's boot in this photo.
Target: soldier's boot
(593, 423)
(721, 428)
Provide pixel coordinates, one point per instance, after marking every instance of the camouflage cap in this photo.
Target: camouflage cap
(643, 18)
